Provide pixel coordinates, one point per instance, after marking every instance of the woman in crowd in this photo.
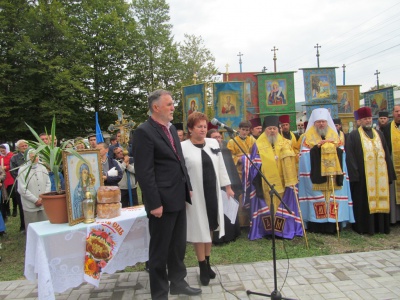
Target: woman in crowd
(33, 180)
(208, 174)
(5, 158)
(2, 224)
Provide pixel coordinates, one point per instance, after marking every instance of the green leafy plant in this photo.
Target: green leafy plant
(50, 155)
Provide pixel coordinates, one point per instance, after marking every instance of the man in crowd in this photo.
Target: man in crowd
(284, 120)
(17, 161)
(370, 170)
(245, 141)
(278, 166)
(338, 125)
(92, 141)
(179, 130)
(256, 128)
(165, 184)
(383, 120)
(127, 184)
(45, 138)
(392, 137)
(113, 144)
(181, 135)
(356, 119)
(324, 192)
(232, 231)
(112, 173)
(300, 128)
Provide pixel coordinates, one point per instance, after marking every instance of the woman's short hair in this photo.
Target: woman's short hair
(194, 118)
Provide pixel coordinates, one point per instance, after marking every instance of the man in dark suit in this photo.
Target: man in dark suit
(162, 176)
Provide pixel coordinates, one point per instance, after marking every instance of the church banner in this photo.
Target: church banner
(320, 90)
(379, 100)
(348, 102)
(276, 95)
(229, 105)
(193, 99)
(250, 91)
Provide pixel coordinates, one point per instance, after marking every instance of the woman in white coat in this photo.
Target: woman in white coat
(208, 174)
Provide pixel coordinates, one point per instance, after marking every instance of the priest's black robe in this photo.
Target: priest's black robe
(232, 231)
(394, 208)
(365, 221)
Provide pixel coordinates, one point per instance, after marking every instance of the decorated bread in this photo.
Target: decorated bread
(108, 194)
(108, 210)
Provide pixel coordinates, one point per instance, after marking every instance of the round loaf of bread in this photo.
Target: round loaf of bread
(108, 210)
(108, 194)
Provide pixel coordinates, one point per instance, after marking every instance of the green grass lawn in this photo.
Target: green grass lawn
(241, 251)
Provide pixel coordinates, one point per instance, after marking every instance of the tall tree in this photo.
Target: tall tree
(106, 42)
(158, 61)
(15, 54)
(196, 59)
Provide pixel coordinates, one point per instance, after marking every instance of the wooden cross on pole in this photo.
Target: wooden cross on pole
(377, 79)
(274, 49)
(317, 54)
(344, 74)
(240, 60)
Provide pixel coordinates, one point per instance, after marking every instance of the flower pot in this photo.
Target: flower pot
(55, 207)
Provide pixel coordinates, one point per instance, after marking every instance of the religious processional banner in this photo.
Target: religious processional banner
(229, 105)
(276, 95)
(250, 91)
(348, 102)
(193, 99)
(379, 100)
(320, 90)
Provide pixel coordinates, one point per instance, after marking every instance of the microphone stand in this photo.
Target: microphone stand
(275, 295)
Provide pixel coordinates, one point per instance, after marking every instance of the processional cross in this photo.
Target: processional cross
(123, 126)
(274, 49)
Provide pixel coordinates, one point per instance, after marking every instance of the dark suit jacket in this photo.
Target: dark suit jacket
(161, 173)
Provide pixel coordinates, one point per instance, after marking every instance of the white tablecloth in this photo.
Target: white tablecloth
(55, 253)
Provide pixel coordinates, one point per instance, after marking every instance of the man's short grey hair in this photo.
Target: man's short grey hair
(20, 141)
(155, 96)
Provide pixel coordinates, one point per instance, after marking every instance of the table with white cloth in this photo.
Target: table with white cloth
(55, 253)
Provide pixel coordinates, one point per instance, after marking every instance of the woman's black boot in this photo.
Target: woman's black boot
(204, 275)
(210, 271)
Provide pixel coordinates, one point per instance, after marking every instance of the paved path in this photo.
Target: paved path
(366, 275)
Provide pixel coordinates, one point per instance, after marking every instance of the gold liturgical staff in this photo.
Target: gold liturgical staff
(88, 208)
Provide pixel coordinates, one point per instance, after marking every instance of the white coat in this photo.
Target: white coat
(198, 230)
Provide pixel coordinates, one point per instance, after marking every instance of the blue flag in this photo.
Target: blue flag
(99, 134)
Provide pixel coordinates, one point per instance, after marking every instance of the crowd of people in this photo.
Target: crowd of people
(316, 179)
(20, 194)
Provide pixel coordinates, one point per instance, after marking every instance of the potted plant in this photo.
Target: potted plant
(55, 202)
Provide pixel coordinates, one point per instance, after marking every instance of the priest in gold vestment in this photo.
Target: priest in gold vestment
(392, 135)
(324, 191)
(274, 156)
(370, 170)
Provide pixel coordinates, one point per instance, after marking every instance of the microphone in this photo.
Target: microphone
(218, 123)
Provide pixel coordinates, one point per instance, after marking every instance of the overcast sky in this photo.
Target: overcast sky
(363, 35)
